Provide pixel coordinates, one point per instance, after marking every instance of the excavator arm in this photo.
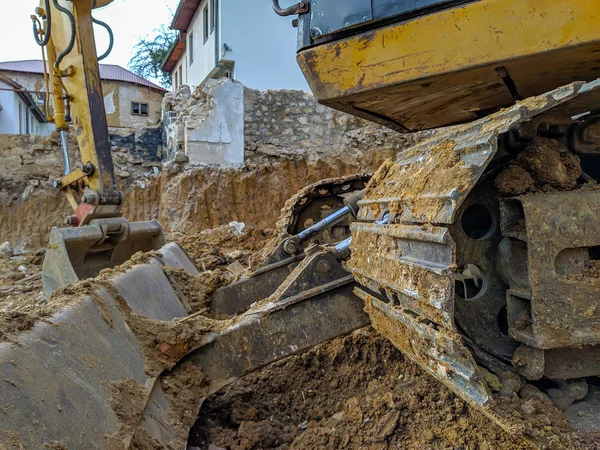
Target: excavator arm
(66, 34)
(99, 237)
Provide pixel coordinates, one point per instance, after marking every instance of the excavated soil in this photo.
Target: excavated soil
(21, 302)
(356, 392)
(540, 167)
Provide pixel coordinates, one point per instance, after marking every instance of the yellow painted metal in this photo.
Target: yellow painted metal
(101, 3)
(57, 92)
(78, 78)
(473, 35)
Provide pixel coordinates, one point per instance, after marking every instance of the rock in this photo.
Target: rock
(237, 227)
(6, 250)
(387, 424)
(511, 382)
(352, 410)
(181, 157)
(492, 380)
(577, 390)
(555, 393)
(560, 398)
(236, 268)
(529, 391)
(236, 255)
(528, 407)
(27, 192)
(242, 412)
(210, 447)
(303, 425)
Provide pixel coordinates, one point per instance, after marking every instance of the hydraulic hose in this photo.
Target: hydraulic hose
(111, 38)
(37, 26)
(66, 51)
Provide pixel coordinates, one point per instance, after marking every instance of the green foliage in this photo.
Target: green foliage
(150, 53)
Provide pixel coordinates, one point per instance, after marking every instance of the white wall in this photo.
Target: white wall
(7, 114)
(11, 123)
(181, 66)
(263, 45)
(204, 52)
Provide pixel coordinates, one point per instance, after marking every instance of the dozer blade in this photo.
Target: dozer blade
(75, 254)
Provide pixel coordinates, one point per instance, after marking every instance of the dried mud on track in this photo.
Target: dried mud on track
(356, 392)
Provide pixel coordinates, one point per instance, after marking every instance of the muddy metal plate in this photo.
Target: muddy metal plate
(564, 305)
(441, 352)
(413, 263)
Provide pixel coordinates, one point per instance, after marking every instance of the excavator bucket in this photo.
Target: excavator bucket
(78, 253)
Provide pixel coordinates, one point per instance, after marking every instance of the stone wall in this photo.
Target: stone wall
(292, 124)
(203, 125)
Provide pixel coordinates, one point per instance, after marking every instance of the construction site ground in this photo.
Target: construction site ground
(356, 392)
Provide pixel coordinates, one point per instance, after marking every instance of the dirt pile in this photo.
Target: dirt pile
(356, 392)
(21, 302)
(540, 167)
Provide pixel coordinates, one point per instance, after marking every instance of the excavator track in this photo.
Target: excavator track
(476, 254)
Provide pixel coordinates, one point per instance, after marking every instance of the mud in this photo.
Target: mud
(547, 166)
(184, 389)
(514, 180)
(127, 400)
(356, 392)
(540, 167)
(219, 247)
(22, 304)
(411, 185)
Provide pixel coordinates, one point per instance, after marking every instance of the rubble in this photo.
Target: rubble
(6, 250)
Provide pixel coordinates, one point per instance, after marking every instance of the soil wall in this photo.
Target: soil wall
(182, 199)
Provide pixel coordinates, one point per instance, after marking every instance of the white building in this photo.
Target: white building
(244, 40)
(21, 111)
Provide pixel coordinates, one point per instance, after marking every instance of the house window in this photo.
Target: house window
(191, 47)
(205, 22)
(139, 109)
(181, 76)
(213, 16)
(20, 118)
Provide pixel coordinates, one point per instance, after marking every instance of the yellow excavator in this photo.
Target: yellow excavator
(476, 252)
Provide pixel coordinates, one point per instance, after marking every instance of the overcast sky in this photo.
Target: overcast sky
(129, 19)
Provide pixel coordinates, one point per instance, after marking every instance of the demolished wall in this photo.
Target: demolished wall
(205, 125)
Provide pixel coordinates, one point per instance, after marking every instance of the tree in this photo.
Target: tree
(150, 53)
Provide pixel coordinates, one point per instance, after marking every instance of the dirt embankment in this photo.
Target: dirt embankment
(193, 199)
